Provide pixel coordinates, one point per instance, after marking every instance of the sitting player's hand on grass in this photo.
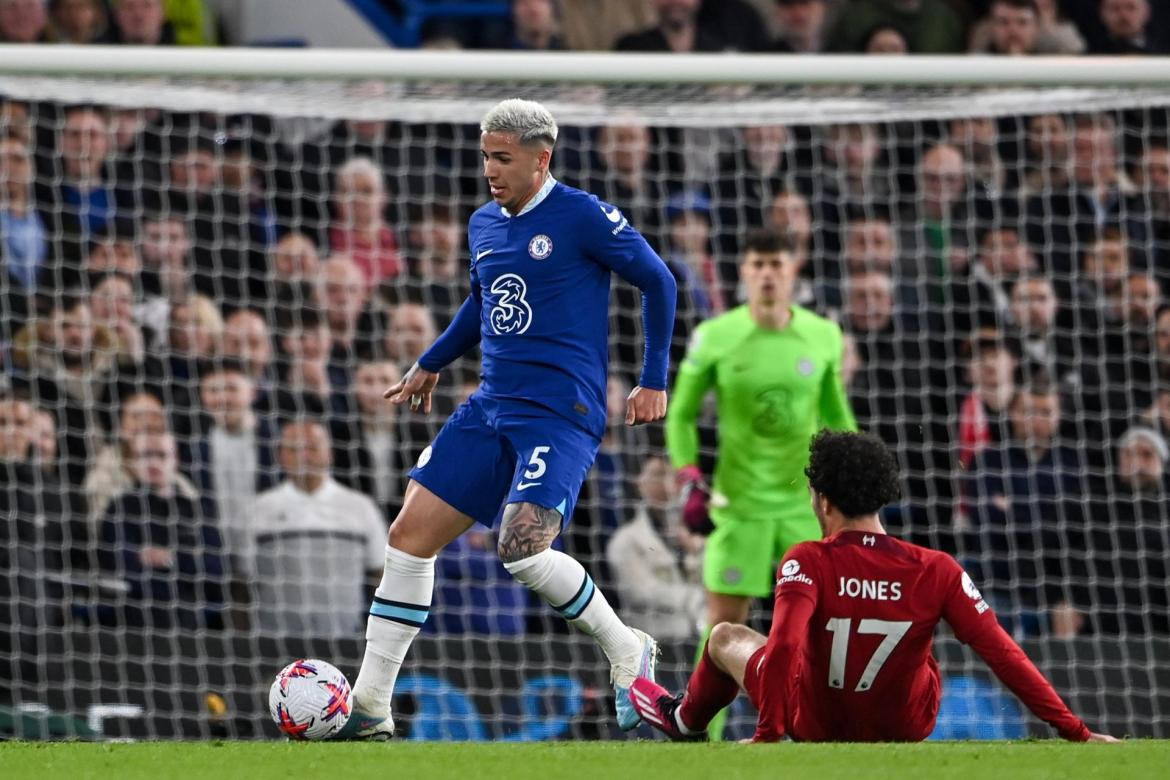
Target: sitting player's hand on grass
(1102, 738)
(645, 405)
(416, 387)
(695, 495)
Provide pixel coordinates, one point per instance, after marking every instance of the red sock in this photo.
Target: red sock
(708, 692)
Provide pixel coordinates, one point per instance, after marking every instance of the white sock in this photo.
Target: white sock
(569, 590)
(400, 607)
(678, 721)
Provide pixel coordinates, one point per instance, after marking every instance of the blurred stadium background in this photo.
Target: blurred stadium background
(199, 248)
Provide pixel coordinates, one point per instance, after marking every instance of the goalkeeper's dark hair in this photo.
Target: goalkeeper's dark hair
(855, 471)
(766, 241)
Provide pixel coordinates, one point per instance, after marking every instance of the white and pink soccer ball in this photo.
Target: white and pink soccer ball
(310, 700)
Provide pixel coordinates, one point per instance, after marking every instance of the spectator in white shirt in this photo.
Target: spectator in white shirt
(315, 545)
(657, 563)
(234, 460)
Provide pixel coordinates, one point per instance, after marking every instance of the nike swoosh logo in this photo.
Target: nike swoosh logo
(526, 485)
(367, 722)
(614, 216)
(481, 255)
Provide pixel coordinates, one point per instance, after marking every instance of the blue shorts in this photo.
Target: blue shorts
(492, 453)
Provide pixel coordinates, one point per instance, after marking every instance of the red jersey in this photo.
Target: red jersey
(377, 262)
(849, 656)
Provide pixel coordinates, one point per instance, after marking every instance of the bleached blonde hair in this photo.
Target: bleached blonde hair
(528, 120)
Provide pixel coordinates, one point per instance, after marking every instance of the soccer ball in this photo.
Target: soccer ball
(310, 699)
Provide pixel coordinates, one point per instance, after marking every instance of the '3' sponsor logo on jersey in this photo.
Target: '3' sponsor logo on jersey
(773, 417)
(511, 314)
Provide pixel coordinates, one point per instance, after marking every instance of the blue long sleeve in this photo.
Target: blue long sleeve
(615, 244)
(461, 335)
(659, 292)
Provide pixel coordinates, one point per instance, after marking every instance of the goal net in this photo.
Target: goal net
(213, 265)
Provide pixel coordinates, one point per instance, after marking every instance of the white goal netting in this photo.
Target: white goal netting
(188, 267)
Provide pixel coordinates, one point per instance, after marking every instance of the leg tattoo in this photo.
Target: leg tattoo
(527, 529)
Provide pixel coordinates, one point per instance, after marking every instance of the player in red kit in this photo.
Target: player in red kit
(849, 655)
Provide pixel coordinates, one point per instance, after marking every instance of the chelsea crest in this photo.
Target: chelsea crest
(540, 247)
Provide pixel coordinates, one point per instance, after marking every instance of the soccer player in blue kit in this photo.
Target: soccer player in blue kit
(517, 451)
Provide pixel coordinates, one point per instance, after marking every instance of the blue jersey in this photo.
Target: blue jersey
(539, 306)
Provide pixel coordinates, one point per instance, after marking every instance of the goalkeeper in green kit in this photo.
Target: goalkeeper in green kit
(776, 371)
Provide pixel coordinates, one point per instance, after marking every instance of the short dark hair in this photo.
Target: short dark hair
(766, 241)
(224, 365)
(1023, 5)
(856, 472)
(990, 339)
(96, 280)
(1038, 382)
(297, 309)
(1027, 277)
(87, 108)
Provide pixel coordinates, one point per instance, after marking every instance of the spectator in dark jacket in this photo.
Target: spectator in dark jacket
(436, 266)
(1045, 347)
(1099, 195)
(1153, 176)
(142, 23)
(802, 26)
(891, 392)
(214, 194)
(980, 292)
(78, 21)
(195, 327)
(625, 172)
(750, 176)
(678, 31)
(75, 192)
(1018, 495)
(1128, 533)
(370, 453)
(852, 181)
(1162, 344)
(310, 384)
(930, 26)
(534, 27)
(1127, 27)
(165, 547)
(34, 535)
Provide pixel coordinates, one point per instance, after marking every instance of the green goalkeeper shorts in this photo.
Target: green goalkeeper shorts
(743, 551)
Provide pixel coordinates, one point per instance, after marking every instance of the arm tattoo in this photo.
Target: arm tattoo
(527, 529)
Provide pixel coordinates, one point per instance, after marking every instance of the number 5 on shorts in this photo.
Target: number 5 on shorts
(536, 465)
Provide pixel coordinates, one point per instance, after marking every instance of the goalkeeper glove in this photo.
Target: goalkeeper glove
(695, 496)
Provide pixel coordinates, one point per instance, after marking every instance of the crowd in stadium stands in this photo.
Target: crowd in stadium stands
(199, 313)
(1000, 27)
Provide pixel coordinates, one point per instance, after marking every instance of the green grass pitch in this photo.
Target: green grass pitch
(586, 760)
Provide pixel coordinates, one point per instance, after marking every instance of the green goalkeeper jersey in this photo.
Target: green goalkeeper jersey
(775, 389)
